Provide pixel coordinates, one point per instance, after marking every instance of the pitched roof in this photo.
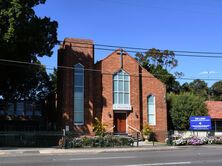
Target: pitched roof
(214, 109)
(127, 54)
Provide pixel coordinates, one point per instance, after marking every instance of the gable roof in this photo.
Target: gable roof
(127, 54)
(214, 109)
(114, 52)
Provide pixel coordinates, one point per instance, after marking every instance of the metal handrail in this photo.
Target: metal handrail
(137, 134)
(135, 129)
(110, 129)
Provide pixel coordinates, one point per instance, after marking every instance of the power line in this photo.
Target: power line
(102, 73)
(20, 62)
(198, 56)
(136, 51)
(111, 48)
(142, 49)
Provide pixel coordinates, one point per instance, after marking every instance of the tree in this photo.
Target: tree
(185, 87)
(35, 85)
(157, 62)
(198, 87)
(182, 106)
(24, 37)
(216, 91)
(53, 80)
(156, 57)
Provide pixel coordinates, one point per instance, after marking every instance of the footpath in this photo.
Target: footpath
(143, 146)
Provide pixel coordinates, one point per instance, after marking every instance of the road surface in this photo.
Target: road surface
(195, 156)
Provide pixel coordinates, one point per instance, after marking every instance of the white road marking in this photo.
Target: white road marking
(95, 158)
(102, 158)
(160, 164)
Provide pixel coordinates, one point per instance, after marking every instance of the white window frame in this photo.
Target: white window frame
(117, 106)
(83, 112)
(148, 111)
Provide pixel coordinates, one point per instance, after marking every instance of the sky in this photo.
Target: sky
(163, 24)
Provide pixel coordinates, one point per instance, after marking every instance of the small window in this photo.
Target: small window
(151, 112)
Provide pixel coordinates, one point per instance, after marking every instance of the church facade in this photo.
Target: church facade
(116, 90)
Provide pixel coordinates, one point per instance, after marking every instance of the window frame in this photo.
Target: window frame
(117, 105)
(148, 111)
(82, 98)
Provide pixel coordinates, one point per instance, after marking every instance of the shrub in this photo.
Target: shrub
(99, 127)
(211, 140)
(146, 129)
(218, 140)
(180, 141)
(126, 141)
(98, 141)
(86, 141)
(77, 143)
(196, 141)
(182, 106)
(193, 140)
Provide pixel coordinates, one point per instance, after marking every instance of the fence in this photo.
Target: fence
(30, 139)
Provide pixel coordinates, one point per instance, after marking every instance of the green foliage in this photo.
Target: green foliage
(157, 62)
(156, 57)
(53, 79)
(198, 87)
(146, 129)
(167, 78)
(87, 141)
(182, 106)
(216, 91)
(99, 127)
(24, 37)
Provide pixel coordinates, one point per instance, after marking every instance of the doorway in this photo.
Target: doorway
(120, 123)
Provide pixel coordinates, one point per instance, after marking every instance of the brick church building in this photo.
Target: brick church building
(116, 89)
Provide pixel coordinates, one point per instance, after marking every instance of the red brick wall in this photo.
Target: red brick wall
(152, 86)
(99, 89)
(141, 86)
(75, 51)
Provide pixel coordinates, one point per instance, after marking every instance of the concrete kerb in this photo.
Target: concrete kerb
(51, 151)
(123, 149)
(57, 151)
(103, 150)
(19, 151)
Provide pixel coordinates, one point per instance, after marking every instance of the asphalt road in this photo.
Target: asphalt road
(196, 156)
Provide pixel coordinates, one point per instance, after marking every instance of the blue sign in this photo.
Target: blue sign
(200, 123)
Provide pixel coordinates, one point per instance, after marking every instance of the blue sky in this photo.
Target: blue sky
(163, 24)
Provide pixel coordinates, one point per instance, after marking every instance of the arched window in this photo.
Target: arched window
(121, 88)
(151, 111)
(78, 94)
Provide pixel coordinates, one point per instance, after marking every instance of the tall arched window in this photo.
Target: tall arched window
(121, 89)
(151, 111)
(78, 94)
